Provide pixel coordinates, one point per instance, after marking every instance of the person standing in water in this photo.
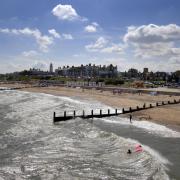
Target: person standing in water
(129, 151)
(130, 118)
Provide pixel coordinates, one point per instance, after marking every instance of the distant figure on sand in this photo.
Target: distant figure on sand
(130, 118)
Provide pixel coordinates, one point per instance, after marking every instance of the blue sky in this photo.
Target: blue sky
(127, 33)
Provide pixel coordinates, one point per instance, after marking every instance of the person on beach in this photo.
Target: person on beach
(130, 118)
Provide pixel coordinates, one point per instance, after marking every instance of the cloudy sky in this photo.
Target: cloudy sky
(127, 33)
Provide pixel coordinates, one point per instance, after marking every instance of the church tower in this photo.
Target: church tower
(51, 68)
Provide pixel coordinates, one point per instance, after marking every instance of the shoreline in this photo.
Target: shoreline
(167, 115)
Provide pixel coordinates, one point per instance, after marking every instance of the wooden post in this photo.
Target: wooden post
(116, 111)
(108, 111)
(74, 114)
(64, 113)
(54, 115)
(123, 110)
(130, 109)
(150, 105)
(100, 112)
(137, 107)
(144, 106)
(174, 101)
(162, 102)
(92, 112)
(157, 104)
(169, 102)
(83, 113)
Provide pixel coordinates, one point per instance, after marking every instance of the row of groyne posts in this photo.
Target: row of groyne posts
(110, 113)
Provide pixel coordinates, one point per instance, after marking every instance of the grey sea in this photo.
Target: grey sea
(32, 147)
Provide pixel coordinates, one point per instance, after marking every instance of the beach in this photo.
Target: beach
(34, 147)
(167, 115)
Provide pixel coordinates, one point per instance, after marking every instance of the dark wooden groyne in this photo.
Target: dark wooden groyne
(109, 113)
(85, 116)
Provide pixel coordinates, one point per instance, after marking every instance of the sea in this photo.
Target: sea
(32, 147)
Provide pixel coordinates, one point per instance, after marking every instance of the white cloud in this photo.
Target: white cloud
(54, 33)
(98, 45)
(95, 24)
(115, 48)
(152, 41)
(42, 40)
(102, 45)
(42, 65)
(125, 64)
(20, 62)
(90, 28)
(9, 67)
(31, 53)
(152, 50)
(152, 33)
(67, 36)
(66, 12)
(4, 30)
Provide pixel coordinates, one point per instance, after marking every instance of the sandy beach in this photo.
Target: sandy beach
(167, 115)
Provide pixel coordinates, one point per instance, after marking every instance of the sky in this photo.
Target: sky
(126, 33)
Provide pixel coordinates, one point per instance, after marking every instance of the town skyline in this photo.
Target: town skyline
(82, 32)
(108, 74)
(52, 69)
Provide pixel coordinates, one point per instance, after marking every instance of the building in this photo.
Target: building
(145, 74)
(51, 68)
(36, 72)
(87, 71)
(145, 70)
(133, 73)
